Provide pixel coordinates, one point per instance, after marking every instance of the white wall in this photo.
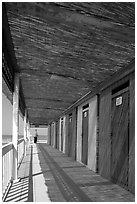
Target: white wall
(6, 116)
(92, 133)
(48, 134)
(92, 126)
(64, 133)
(54, 133)
(60, 134)
(79, 133)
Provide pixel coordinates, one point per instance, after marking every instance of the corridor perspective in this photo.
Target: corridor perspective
(50, 176)
(68, 101)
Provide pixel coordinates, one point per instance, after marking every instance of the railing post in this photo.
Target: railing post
(15, 125)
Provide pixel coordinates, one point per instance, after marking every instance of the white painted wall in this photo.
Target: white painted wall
(92, 126)
(54, 133)
(60, 134)
(79, 133)
(64, 133)
(92, 133)
(48, 134)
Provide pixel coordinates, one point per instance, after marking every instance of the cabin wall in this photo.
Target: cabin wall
(66, 140)
(79, 133)
(60, 134)
(49, 134)
(64, 134)
(92, 132)
(106, 136)
(71, 135)
(74, 134)
(54, 134)
(57, 133)
(131, 181)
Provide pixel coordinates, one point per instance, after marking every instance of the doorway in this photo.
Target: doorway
(85, 120)
(69, 134)
(61, 134)
(120, 137)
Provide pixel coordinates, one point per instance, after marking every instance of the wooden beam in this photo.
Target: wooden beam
(53, 75)
(45, 108)
(50, 100)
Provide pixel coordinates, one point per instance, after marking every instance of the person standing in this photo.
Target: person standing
(36, 136)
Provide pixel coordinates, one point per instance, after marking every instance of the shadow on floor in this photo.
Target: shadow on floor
(68, 180)
(22, 190)
(58, 182)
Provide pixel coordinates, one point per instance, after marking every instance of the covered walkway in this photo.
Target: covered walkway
(69, 67)
(47, 175)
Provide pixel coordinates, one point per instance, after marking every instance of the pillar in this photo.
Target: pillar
(15, 130)
(25, 132)
(28, 131)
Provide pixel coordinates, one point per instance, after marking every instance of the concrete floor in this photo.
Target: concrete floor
(48, 175)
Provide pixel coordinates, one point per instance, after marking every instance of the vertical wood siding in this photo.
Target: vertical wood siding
(105, 133)
(105, 142)
(131, 181)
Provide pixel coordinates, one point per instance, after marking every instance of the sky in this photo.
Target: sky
(7, 120)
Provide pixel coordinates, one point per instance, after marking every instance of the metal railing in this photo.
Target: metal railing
(7, 162)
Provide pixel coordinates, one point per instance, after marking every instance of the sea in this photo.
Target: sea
(8, 138)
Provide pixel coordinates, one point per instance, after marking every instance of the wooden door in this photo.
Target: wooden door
(119, 139)
(62, 135)
(85, 136)
(69, 134)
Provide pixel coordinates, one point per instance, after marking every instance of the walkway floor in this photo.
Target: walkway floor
(49, 175)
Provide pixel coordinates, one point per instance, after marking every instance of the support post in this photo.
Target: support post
(28, 131)
(25, 132)
(15, 131)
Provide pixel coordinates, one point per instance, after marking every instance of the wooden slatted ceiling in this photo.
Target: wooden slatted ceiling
(64, 50)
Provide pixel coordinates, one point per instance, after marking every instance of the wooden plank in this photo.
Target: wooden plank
(131, 181)
(105, 134)
(119, 140)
